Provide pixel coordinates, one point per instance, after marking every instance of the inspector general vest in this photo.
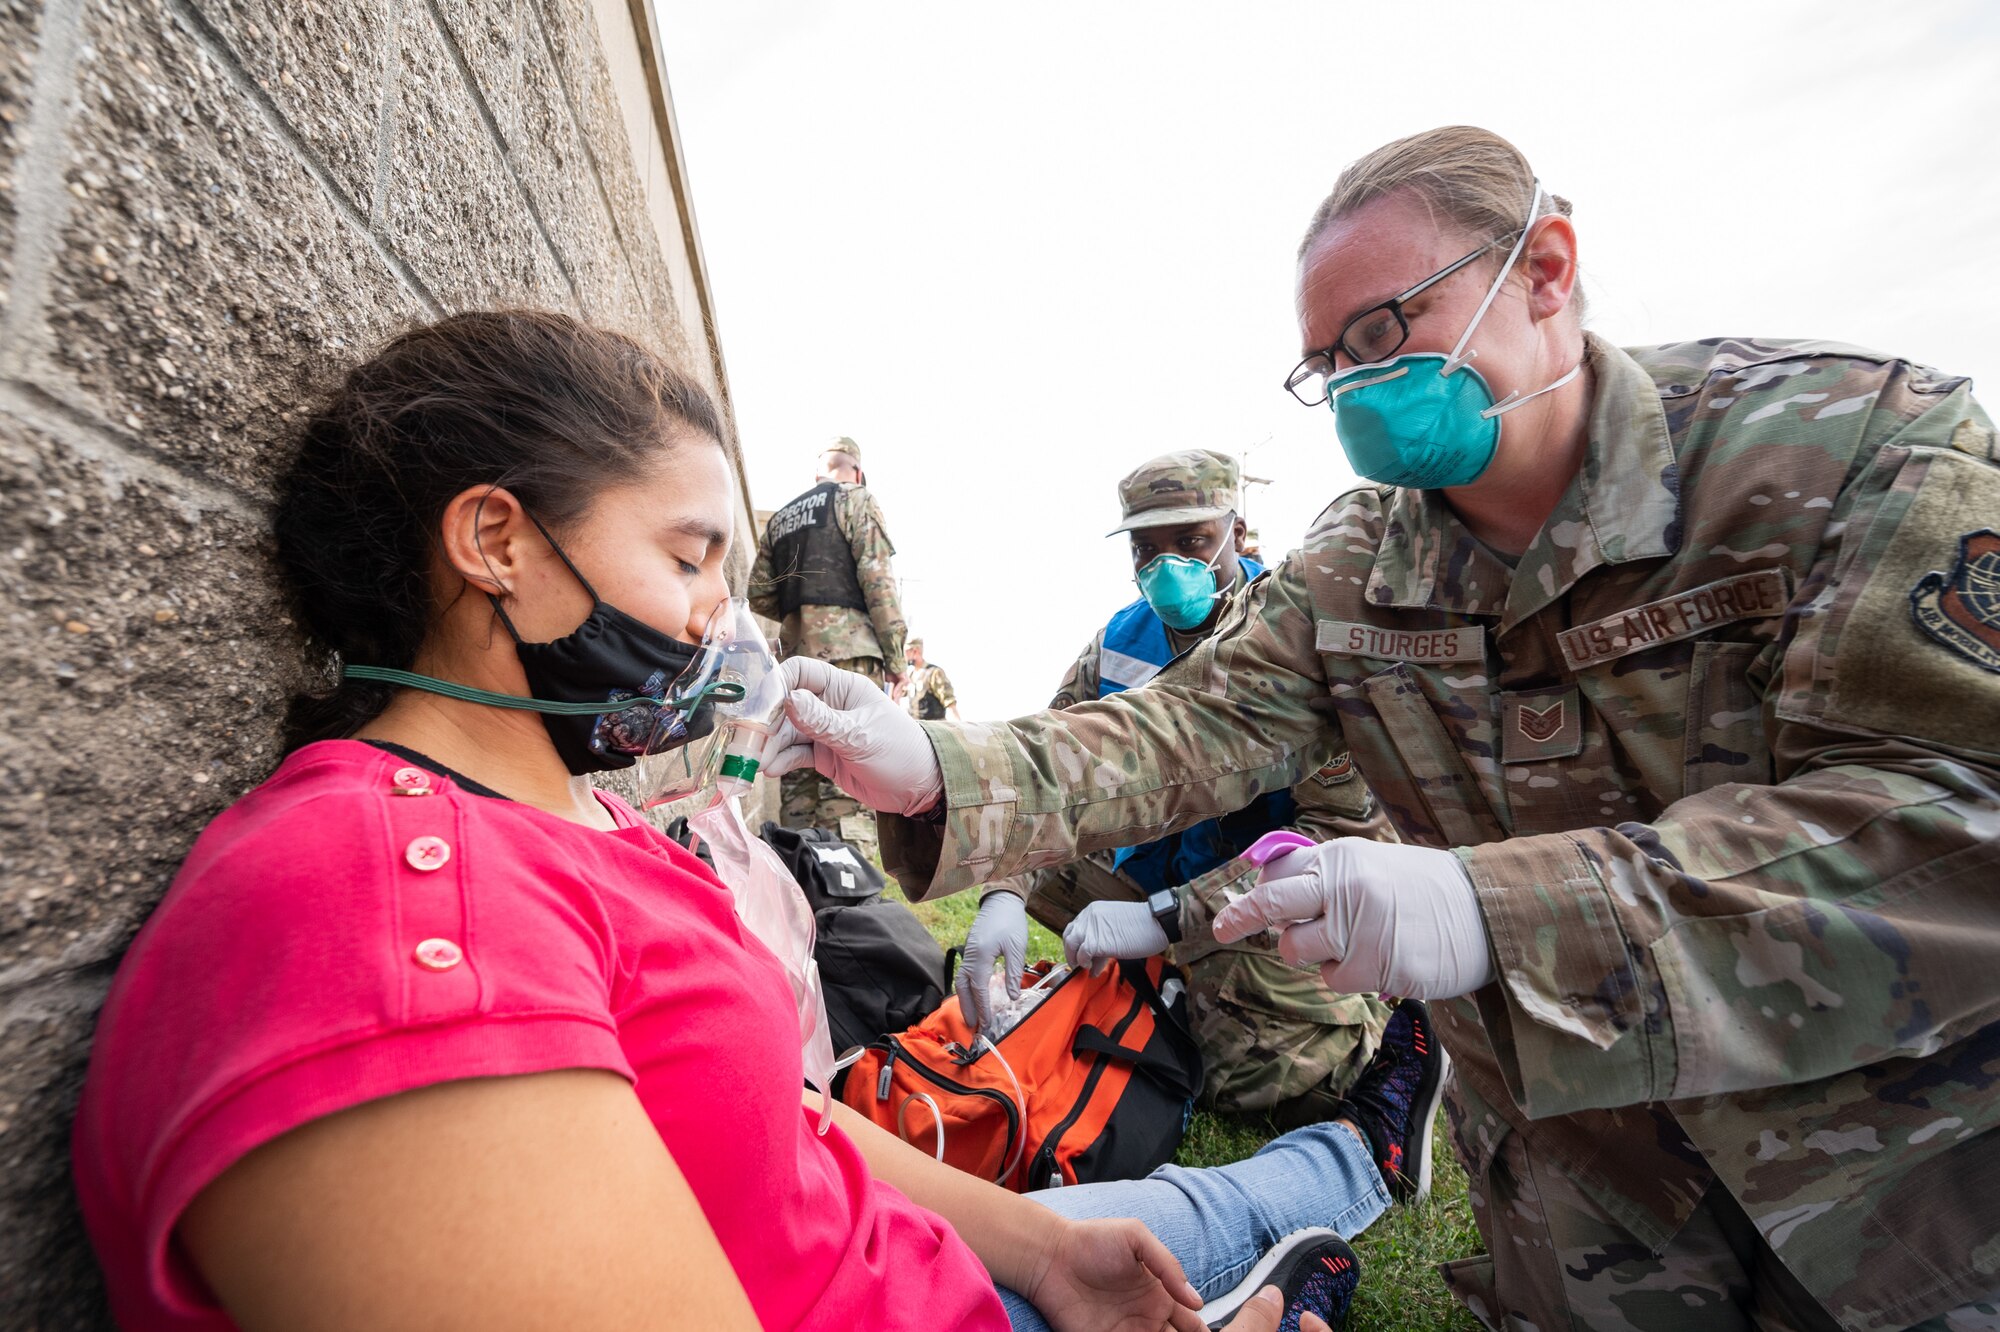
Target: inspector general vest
(1134, 649)
(811, 562)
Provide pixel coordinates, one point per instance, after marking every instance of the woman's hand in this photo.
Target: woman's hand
(1112, 1276)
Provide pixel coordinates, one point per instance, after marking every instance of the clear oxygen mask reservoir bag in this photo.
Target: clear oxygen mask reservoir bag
(708, 778)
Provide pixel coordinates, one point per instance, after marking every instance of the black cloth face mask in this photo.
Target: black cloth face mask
(609, 658)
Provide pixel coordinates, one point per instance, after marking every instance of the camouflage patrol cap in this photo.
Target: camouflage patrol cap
(841, 444)
(1191, 486)
(909, 643)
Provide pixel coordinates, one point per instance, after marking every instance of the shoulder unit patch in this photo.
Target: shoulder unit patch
(1962, 610)
(1340, 768)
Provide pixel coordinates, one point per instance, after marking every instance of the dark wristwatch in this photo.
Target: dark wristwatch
(1167, 910)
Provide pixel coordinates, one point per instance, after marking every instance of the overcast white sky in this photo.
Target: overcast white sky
(1015, 251)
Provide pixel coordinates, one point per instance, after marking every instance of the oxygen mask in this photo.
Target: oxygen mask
(725, 705)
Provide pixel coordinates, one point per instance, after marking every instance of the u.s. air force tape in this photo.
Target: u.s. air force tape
(1750, 596)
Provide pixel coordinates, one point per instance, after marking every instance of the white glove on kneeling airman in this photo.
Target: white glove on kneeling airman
(1379, 918)
(999, 931)
(1106, 932)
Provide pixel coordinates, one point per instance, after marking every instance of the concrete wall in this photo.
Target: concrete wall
(204, 204)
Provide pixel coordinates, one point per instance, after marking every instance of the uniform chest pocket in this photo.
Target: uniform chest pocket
(1725, 740)
(1417, 765)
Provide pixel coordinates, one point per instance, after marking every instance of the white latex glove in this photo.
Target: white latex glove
(845, 726)
(1105, 932)
(1381, 918)
(999, 931)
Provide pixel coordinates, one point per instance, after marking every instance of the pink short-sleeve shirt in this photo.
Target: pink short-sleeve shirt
(359, 926)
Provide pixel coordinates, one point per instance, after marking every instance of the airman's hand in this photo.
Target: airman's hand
(1381, 918)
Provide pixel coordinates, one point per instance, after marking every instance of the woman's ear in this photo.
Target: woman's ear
(487, 538)
(1550, 264)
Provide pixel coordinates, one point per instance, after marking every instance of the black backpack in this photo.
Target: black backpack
(879, 967)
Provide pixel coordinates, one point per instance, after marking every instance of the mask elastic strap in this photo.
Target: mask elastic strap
(1514, 400)
(1454, 361)
(563, 555)
(568, 564)
(721, 691)
(1224, 546)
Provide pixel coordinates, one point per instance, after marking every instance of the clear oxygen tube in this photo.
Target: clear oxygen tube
(708, 779)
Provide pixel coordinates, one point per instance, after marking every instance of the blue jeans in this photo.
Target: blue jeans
(1218, 1222)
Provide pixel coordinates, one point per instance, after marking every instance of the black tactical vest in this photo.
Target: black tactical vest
(929, 709)
(811, 562)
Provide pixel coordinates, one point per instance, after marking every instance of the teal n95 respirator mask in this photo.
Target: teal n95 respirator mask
(1180, 590)
(1424, 420)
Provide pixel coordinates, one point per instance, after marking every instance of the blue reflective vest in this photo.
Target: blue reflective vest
(1135, 649)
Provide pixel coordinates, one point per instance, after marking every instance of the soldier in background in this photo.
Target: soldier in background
(1678, 670)
(926, 691)
(1275, 1039)
(823, 573)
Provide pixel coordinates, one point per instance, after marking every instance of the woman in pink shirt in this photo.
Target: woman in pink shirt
(430, 1032)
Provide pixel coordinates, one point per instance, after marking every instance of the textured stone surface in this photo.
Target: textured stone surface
(20, 35)
(571, 37)
(490, 36)
(147, 667)
(452, 208)
(183, 316)
(548, 150)
(321, 64)
(47, 1281)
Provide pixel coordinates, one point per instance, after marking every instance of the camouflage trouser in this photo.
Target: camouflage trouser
(808, 800)
(1557, 1256)
(1273, 1037)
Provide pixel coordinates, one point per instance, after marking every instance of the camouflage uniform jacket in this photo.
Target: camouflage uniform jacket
(840, 633)
(928, 681)
(1731, 809)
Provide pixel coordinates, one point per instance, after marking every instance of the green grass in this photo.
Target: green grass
(1400, 1287)
(949, 918)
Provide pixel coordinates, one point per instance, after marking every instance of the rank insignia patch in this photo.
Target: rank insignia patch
(1540, 725)
(1962, 610)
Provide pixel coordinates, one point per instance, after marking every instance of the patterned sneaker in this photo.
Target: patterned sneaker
(1395, 1103)
(1314, 1268)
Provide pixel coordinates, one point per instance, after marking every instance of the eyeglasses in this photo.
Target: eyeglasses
(1374, 335)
